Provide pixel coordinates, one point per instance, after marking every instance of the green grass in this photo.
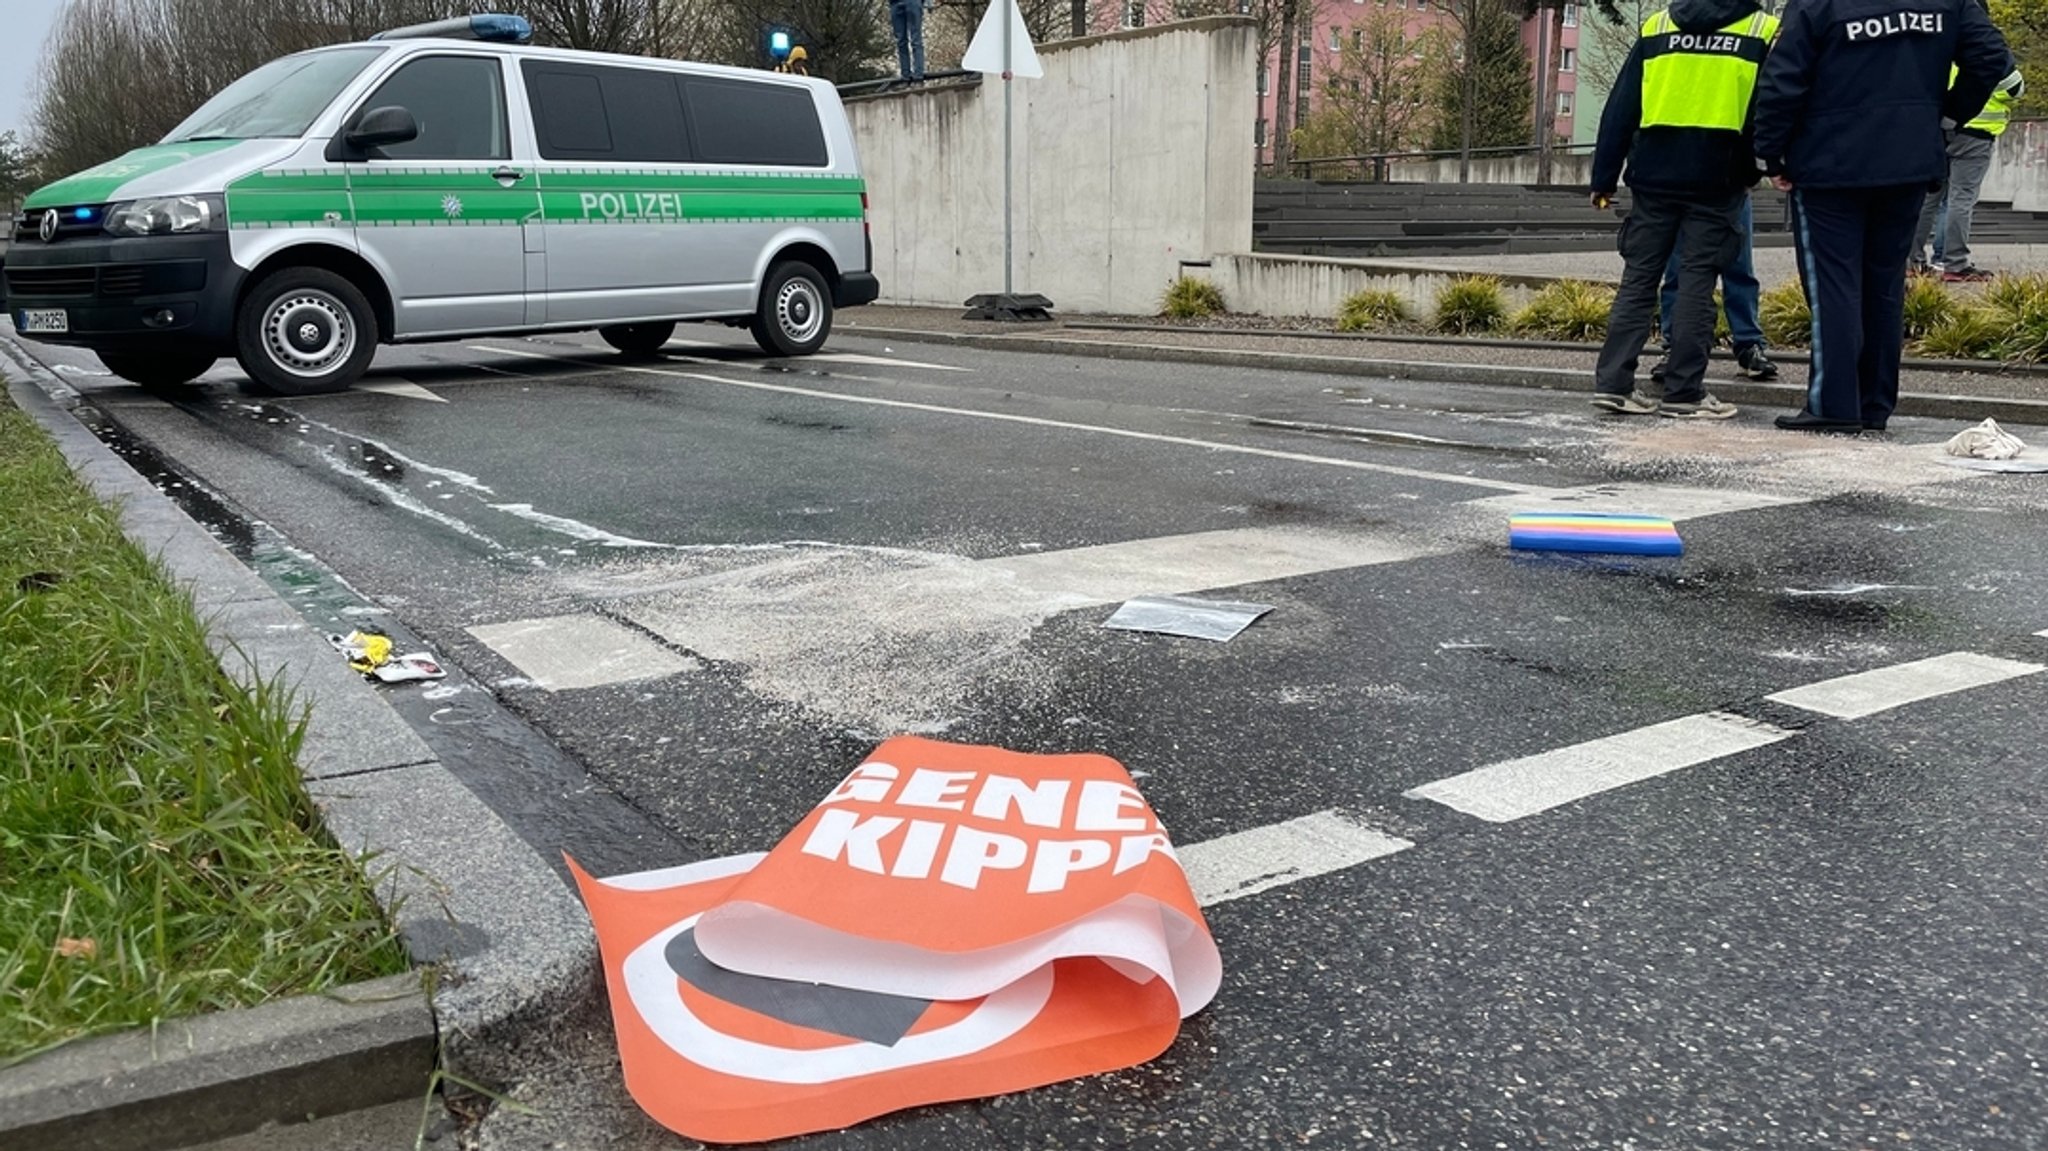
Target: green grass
(1929, 305)
(1372, 308)
(1188, 298)
(1471, 304)
(1784, 317)
(1966, 333)
(1566, 310)
(158, 856)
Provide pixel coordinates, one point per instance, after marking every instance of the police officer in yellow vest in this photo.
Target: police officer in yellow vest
(1950, 209)
(1679, 117)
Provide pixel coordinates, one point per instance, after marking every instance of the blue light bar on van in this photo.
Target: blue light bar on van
(494, 27)
(778, 44)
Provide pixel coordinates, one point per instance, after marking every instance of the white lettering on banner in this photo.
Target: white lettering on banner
(1059, 858)
(963, 855)
(975, 851)
(1040, 806)
(1894, 23)
(942, 789)
(869, 783)
(1102, 800)
(632, 205)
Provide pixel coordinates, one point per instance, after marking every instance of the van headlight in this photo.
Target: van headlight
(167, 215)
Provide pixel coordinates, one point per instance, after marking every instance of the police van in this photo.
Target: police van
(450, 180)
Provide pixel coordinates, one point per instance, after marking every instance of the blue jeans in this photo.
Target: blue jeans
(1739, 291)
(906, 19)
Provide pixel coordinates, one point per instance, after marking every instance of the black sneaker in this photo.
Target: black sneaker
(1755, 364)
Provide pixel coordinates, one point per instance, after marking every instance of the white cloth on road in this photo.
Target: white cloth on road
(1986, 441)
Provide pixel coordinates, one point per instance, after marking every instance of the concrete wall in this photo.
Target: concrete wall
(1133, 154)
(2019, 168)
(1269, 284)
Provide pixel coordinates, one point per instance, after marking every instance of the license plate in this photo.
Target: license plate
(45, 320)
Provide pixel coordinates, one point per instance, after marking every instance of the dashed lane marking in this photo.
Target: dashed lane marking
(1198, 561)
(1870, 692)
(882, 361)
(1063, 425)
(1248, 862)
(405, 388)
(1516, 788)
(575, 651)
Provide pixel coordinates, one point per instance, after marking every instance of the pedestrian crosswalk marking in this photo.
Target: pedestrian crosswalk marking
(1511, 790)
(1248, 862)
(1870, 692)
(1199, 561)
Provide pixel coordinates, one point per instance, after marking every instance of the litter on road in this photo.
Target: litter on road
(1210, 619)
(369, 652)
(951, 922)
(1986, 441)
(1613, 533)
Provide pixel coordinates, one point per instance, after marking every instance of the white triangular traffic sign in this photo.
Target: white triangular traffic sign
(985, 51)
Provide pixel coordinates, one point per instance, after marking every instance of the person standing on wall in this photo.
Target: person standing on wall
(1679, 116)
(906, 20)
(1852, 111)
(1952, 209)
(1741, 296)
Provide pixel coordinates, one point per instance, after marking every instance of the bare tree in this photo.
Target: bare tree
(1374, 97)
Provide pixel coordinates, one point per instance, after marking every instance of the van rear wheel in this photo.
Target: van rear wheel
(638, 339)
(795, 313)
(168, 369)
(304, 331)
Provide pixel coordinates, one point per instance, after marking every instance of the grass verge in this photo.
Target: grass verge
(158, 855)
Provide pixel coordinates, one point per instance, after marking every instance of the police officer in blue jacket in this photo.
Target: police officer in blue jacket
(1852, 111)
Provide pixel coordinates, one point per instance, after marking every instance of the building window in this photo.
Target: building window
(1422, 5)
(1571, 15)
(1259, 133)
(1564, 103)
(1358, 39)
(1263, 77)
(1134, 14)
(1568, 60)
(1336, 38)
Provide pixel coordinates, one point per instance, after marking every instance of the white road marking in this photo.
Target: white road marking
(1200, 561)
(574, 651)
(1248, 862)
(1671, 502)
(1520, 787)
(405, 388)
(2042, 634)
(1064, 425)
(882, 361)
(1870, 692)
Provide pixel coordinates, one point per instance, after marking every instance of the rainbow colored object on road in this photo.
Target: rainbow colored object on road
(1608, 532)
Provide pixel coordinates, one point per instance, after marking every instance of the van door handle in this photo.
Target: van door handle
(508, 176)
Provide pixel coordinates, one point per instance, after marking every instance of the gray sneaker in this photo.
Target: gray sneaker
(1633, 404)
(1704, 408)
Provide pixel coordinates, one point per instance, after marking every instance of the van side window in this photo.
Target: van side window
(765, 125)
(459, 102)
(586, 112)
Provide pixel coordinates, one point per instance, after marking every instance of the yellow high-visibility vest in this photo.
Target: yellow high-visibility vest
(1702, 79)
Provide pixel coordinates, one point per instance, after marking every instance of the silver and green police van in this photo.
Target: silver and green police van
(450, 180)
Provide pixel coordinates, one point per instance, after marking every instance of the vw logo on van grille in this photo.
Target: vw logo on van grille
(47, 229)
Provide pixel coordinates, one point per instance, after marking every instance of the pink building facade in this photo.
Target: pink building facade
(1324, 35)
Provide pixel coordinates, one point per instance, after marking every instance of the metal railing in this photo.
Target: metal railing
(897, 83)
(1373, 166)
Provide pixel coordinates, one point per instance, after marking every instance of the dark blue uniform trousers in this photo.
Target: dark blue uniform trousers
(1852, 245)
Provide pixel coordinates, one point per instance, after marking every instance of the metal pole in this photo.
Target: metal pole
(1009, 18)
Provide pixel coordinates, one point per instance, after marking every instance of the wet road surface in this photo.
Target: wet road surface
(1798, 906)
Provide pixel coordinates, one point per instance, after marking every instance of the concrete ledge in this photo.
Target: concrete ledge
(1789, 396)
(216, 1075)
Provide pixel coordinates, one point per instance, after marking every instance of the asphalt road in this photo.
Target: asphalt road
(1774, 923)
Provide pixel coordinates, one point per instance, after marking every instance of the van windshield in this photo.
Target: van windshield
(282, 98)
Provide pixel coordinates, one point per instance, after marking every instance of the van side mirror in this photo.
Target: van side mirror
(379, 127)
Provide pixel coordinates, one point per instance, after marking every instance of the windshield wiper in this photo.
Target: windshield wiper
(197, 139)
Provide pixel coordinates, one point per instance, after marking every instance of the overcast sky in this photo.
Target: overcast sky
(28, 22)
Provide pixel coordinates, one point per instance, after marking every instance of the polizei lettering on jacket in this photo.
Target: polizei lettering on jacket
(1708, 42)
(1894, 24)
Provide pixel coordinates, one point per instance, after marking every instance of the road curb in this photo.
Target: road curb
(515, 953)
(212, 1076)
(1788, 396)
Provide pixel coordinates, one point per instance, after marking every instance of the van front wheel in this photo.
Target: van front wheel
(304, 331)
(795, 314)
(639, 340)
